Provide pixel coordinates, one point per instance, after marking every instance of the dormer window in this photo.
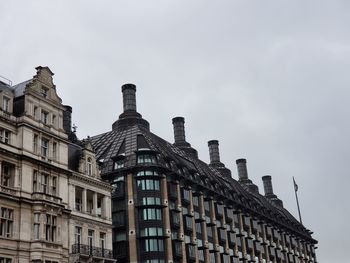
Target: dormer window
(119, 164)
(6, 104)
(44, 92)
(146, 158)
(89, 166)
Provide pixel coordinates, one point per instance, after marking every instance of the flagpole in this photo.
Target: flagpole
(296, 197)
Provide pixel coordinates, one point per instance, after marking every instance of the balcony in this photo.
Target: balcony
(46, 197)
(91, 251)
(8, 190)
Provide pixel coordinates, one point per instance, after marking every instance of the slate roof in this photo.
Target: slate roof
(108, 146)
(19, 88)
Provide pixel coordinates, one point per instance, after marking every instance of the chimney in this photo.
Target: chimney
(129, 116)
(269, 191)
(267, 185)
(129, 97)
(242, 169)
(179, 130)
(214, 151)
(180, 138)
(67, 119)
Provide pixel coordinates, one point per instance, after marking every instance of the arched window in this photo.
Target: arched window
(89, 166)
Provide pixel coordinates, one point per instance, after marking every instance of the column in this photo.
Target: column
(94, 204)
(169, 250)
(132, 221)
(0, 172)
(181, 223)
(204, 229)
(83, 201)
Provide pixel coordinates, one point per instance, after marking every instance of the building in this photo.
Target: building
(169, 206)
(54, 207)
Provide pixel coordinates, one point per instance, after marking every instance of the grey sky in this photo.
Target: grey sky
(268, 79)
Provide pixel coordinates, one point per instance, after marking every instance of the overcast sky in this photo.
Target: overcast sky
(268, 79)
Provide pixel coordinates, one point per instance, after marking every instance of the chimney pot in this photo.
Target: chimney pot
(214, 153)
(242, 169)
(129, 97)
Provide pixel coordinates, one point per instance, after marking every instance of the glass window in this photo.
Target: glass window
(35, 143)
(44, 116)
(148, 184)
(147, 173)
(5, 260)
(102, 240)
(89, 166)
(5, 104)
(36, 225)
(6, 222)
(78, 232)
(151, 231)
(119, 164)
(150, 201)
(153, 244)
(151, 214)
(50, 228)
(91, 234)
(44, 92)
(44, 147)
(146, 159)
(5, 136)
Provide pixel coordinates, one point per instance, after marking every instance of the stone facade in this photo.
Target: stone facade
(41, 215)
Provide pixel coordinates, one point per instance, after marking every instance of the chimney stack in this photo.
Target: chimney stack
(267, 185)
(67, 119)
(180, 138)
(214, 153)
(242, 169)
(267, 181)
(129, 97)
(130, 116)
(179, 130)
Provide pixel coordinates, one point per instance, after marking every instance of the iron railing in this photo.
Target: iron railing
(92, 251)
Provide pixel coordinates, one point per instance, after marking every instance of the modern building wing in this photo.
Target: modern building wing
(169, 206)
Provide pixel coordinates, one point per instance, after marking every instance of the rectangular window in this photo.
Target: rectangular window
(5, 260)
(44, 92)
(7, 173)
(6, 222)
(44, 180)
(35, 143)
(78, 235)
(50, 228)
(36, 225)
(44, 116)
(54, 119)
(91, 234)
(44, 147)
(102, 240)
(35, 181)
(54, 186)
(35, 112)
(6, 104)
(54, 150)
(5, 136)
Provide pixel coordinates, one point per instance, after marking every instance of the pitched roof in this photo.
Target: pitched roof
(107, 147)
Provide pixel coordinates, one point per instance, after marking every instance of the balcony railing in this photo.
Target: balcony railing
(8, 190)
(92, 251)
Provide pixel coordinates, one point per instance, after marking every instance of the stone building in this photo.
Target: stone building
(54, 208)
(169, 206)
